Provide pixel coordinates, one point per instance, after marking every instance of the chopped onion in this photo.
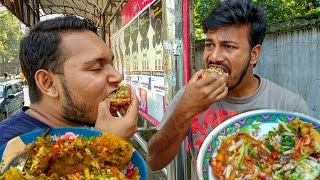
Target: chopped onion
(286, 147)
(263, 174)
(313, 159)
(264, 137)
(235, 146)
(227, 171)
(249, 176)
(288, 134)
(291, 151)
(302, 152)
(214, 155)
(284, 126)
(288, 167)
(276, 166)
(275, 140)
(265, 148)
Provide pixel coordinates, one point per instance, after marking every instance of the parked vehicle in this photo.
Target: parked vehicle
(11, 97)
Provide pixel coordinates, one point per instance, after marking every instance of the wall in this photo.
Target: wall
(291, 60)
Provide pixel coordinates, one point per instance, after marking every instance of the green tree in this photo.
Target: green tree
(282, 10)
(201, 10)
(10, 36)
(277, 10)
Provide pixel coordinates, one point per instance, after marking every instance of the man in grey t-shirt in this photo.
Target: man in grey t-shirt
(234, 34)
(268, 96)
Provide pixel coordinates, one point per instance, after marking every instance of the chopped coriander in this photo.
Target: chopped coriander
(269, 146)
(259, 166)
(288, 141)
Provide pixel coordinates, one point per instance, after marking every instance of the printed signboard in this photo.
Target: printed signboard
(138, 50)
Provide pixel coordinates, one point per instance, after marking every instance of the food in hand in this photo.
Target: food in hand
(290, 152)
(72, 157)
(121, 97)
(217, 70)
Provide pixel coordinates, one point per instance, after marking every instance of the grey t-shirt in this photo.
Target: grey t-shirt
(268, 96)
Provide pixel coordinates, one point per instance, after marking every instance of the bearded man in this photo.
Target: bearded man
(70, 74)
(235, 30)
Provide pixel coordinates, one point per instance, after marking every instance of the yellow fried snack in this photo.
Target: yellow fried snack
(103, 157)
(117, 152)
(13, 173)
(308, 132)
(121, 97)
(217, 70)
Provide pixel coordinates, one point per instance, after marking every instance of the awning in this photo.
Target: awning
(30, 11)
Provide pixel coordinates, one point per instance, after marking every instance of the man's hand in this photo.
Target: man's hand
(124, 127)
(201, 92)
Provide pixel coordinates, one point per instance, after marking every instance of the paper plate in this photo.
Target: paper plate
(255, 123)
(19, 143)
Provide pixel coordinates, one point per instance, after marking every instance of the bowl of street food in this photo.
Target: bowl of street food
(74, 153)
(262, 144)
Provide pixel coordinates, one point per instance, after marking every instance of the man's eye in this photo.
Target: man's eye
(209, 45)
(228, 46)
(96, 68)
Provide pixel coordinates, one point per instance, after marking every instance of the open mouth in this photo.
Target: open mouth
(213, 69)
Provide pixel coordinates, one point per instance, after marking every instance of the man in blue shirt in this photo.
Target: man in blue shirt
(70, 74)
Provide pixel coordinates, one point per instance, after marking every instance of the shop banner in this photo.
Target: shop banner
(131, 9)
(138, 50)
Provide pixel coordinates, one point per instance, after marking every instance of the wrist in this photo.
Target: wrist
(184, 112)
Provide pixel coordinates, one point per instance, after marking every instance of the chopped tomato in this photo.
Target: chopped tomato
(297, 153)
(216, 166)
(275, 154)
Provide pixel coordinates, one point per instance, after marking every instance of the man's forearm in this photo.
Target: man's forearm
(164, 145)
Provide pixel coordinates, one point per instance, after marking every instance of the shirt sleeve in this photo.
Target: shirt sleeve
(303, 107)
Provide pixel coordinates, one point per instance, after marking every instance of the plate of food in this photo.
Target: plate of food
(74, 153)
(262, 144)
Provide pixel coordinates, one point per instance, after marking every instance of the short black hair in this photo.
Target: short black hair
(40, 49)
(238, 12)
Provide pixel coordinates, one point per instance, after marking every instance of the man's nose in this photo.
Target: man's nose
(115, 76)
(216, 55)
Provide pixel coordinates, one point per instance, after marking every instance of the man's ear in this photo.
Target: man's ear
(46, 83)
(255, 54)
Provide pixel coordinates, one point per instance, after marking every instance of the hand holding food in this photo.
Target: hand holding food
(124, 127)
(206, 90)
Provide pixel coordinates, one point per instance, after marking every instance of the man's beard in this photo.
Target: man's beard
(72, 111)
(241, 74)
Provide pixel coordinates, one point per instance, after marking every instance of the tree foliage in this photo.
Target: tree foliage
(277, 10)
(282, 10)
(201, 10)
(10, 36)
